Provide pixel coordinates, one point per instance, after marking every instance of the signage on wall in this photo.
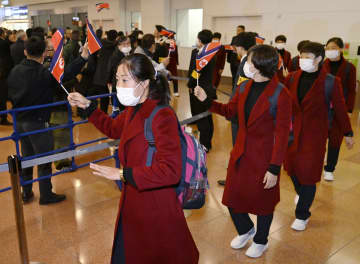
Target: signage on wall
(16, 12)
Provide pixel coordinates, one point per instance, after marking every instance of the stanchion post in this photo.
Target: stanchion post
(14, 169)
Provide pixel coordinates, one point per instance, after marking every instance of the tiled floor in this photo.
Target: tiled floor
(80, 230)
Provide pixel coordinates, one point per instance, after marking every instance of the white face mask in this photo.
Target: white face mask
(307, 65)
(332, 54)
(126, 96)
(280, 46)
(247, 71)
(125, 50)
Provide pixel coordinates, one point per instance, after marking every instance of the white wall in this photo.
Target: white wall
(317, 20)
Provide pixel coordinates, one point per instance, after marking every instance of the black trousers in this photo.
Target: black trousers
(243, 224)
(233, 68)
(306, 198)
(32, 145)
(176, 86)
(98, 90)
(118, 253)
(332, 158)
(206, 129)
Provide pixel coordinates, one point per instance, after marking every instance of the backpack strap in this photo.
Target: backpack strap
(149, 135)
(240, 88)
(329, 85)
(347, 76)
(274, 100)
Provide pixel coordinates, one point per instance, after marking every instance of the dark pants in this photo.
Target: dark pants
(118, 253)
(32, 145)
(243, 224)
(176, 86)
(206, 129)
(332, 158)
(306, 197)
(98, 90)
(233, 68)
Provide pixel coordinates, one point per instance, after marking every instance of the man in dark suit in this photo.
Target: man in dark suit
(243, 42)
(205, 76)
(6, 64)
(232, 57)
(30, 83)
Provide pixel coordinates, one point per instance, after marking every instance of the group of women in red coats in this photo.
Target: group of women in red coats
(286, 122)
(279, 122)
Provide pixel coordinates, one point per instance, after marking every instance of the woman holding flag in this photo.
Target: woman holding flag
(151, 226)
(201, 74)
(263, 107)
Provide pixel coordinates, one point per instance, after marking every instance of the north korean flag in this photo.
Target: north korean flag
(207, 53)
(94, 44)
(57, 63)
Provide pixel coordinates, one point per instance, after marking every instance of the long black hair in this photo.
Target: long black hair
(141, 69)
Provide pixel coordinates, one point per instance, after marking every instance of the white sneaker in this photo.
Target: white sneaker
(240, 241)
(296, 200)
(299, 225)
(256, 250)
(328, 176)
(176, 94)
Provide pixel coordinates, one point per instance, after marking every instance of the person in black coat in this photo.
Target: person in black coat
(17, 49)
(100, 77)
(205, 125)
(30, 84)
(232, 57)
(123, 49)
(6, 64)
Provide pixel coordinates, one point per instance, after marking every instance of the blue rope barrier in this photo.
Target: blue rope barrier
(70, 124)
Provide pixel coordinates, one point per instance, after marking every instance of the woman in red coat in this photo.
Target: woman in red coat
(338, 66)
(305, 157)
(263, 107)
(151, 227)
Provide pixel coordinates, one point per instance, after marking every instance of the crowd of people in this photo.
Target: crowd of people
(283, 110)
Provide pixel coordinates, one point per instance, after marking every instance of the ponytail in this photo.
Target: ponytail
(159, 89)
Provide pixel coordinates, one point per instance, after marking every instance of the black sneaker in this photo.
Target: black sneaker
(221, 182)
(54, 198)
(27, 197)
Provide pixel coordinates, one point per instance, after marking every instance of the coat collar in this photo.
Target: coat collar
(262, 104)
(341, 69)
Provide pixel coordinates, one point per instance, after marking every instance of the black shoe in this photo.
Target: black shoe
(6, 122)
(27, 197)
(221, 182)
(54, 198)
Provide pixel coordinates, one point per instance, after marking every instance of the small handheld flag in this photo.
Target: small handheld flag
(167, 33)
(101, 6)
(259, 40)
(57, 63)
(94, 44)
(229, 47)
(281, 63)
(205, 56)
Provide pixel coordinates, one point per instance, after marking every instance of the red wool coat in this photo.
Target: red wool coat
(220, 64)
(259, 143)
(153, 223)
(286, 63)
(349, 85)
(305, 157)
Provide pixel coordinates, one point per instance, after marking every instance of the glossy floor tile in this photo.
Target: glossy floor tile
(80, 230)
